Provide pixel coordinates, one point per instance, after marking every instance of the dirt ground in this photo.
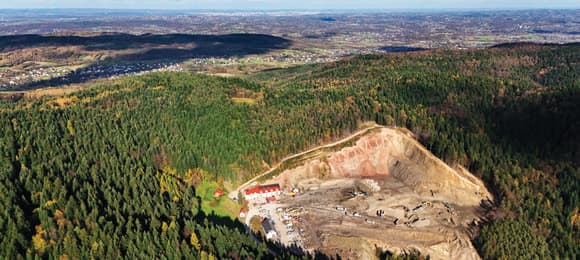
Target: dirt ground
(393, 218)
(384, 193)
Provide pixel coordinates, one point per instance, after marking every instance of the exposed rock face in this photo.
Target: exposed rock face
(428, 206)
(395, 152)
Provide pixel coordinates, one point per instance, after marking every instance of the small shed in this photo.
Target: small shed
(268, 226)
(271, 199)
(218, 193)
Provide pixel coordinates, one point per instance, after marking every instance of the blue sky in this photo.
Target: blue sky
(290, 4)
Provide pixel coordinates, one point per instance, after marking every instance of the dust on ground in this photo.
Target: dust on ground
(393, 218)
(384, 193)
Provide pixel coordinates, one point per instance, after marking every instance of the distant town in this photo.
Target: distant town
(288, 39)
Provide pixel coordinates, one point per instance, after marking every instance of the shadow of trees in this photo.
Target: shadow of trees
(142, 52)
(211, 45)
(277, 250)
(401, 49)
(547, 124)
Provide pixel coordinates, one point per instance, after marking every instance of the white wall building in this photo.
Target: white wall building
(262, 192)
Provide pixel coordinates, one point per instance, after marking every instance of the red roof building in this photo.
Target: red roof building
(262, 191)
(218, 193)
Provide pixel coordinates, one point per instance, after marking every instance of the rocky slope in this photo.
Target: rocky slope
(393, 151)
(397, 173)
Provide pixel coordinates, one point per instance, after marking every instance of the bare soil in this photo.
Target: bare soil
(386, 192)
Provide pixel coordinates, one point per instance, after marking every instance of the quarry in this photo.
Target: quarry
(382, 191)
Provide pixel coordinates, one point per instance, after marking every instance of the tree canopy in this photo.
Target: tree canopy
(110, 171)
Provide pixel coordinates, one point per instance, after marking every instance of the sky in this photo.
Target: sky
(292, 4)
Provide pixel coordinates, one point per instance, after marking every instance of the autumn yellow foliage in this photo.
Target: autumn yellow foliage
(194, 241)
(38, 242)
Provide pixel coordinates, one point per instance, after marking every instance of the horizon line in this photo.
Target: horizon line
(296, 9)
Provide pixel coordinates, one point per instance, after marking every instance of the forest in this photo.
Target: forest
(112, 171)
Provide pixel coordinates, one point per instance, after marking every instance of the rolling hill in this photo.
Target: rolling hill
(112, 171)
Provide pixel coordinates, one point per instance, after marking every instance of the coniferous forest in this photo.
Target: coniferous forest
(111, 171)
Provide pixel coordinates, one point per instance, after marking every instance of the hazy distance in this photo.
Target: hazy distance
(291, 4)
